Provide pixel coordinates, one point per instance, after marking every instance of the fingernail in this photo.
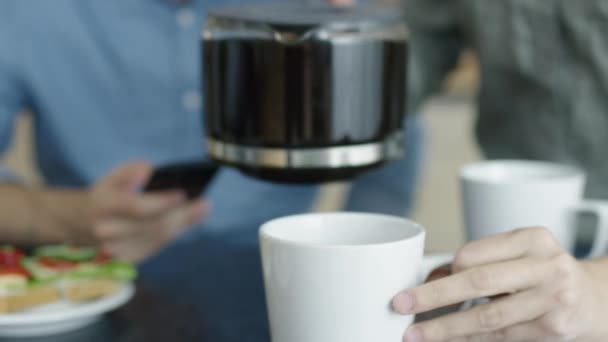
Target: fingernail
(404, 303)
(413, 334)
(202, 209)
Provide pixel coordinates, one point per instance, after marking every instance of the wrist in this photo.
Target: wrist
(597, 275)
(58, 215)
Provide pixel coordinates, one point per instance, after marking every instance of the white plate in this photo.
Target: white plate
(62, 316)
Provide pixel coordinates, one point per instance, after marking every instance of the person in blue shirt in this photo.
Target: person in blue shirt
(114, 90)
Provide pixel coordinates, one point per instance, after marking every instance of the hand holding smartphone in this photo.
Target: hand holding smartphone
(190, 177)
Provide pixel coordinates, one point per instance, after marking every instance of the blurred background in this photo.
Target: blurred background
(448, 119)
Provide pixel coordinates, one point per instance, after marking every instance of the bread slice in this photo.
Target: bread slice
(84, 290)
(79, 291)
(32, 297)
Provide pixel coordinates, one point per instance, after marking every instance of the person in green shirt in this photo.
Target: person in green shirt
(543, 96)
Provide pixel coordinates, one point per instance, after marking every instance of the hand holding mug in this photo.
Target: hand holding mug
(543, 294)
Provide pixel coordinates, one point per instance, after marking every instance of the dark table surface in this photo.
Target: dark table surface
(206, 288)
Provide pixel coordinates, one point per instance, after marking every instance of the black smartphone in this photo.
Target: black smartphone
(190, 177)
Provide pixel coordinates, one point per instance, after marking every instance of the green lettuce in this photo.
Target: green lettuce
(114, 270)
(65, 252)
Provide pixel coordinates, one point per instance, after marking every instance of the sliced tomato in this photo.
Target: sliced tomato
(102, 257)
(57, 264)
(10, 256)
(16, 269)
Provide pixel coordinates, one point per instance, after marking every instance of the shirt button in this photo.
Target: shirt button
(191, 100)
(185, 18)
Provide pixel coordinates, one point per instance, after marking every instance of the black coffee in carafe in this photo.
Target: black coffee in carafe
(305, 102)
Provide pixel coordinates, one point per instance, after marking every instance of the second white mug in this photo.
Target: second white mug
(502, 195)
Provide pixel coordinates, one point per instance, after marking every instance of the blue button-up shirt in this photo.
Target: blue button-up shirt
(110, 82)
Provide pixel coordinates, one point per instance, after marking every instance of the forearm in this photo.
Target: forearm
(33, 215)
(598, 268)
(598, 272)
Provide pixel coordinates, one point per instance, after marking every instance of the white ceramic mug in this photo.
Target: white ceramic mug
(330, 277)
(502, 195)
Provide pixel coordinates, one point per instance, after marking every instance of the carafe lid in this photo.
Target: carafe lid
(299, 17)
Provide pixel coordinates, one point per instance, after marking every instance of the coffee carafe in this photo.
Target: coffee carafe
(298, 93)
